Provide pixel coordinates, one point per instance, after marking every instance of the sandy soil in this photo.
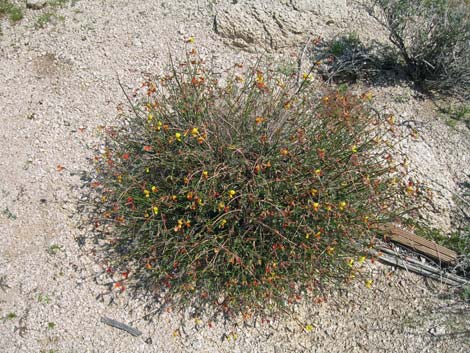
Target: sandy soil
(58, 86)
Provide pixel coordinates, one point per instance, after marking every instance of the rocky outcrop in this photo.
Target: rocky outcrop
(35, 4)
(277, 24)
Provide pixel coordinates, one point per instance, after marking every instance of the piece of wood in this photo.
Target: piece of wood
(395, 261)
(393, 258)
(417, 243)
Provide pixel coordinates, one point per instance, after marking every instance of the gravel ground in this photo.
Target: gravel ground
(59, 84)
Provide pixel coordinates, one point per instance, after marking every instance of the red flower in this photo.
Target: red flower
(125, 156)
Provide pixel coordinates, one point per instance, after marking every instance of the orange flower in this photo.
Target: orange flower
(147, 148)
(284, 152)
(260, 80)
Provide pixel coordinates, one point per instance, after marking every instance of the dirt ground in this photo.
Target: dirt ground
(59, 86)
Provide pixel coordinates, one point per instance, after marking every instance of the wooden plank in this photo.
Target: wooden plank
(415, 242)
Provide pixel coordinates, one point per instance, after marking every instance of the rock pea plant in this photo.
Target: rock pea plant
(245, 193)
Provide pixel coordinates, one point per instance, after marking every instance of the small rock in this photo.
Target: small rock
(437, 331)
(35, 4)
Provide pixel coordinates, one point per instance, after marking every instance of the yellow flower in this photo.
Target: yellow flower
(316, 206)
(351, 263)
(178, 136)
(174, 198)
(154, 189)
(119, 179)
(200, 202)
(308, 328)
(368, 96)
(307, 77)
(231, 193)
(222, 223)
(354, 149)
(147, 193)
(260, 119)
(284, 151)
(190, 40)
(318, 172)
(368, 283)
(330, 250)
(146, 215)
(159, 126)
(147, 170)
(313, 192)
(195, 131)
(150, 117)
(205, 173)
(155, 210)
(342, 205)
(307, 236)
(409, 190)
(318, 234)
(361, 259)
(221, 206)
(179, 225)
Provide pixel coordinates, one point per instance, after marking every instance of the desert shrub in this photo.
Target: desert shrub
(432, 37)
(346, 59)
(243, 193)
(11, 10)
